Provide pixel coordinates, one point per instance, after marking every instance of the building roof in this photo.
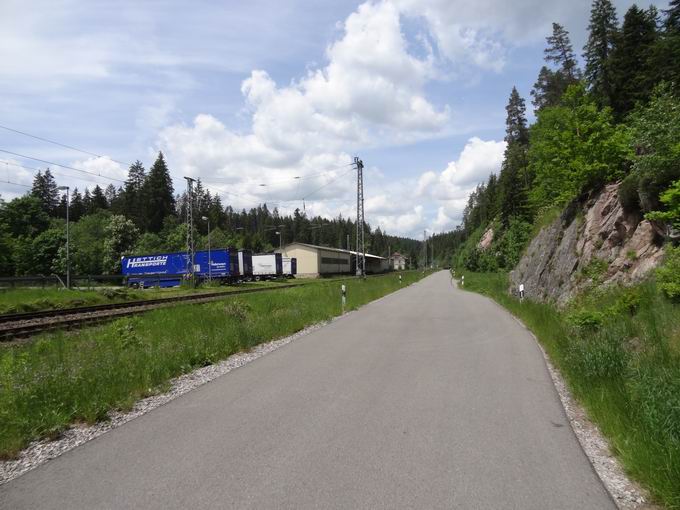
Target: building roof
(328, 248)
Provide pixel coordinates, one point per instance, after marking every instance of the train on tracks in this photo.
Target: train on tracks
(225, 265)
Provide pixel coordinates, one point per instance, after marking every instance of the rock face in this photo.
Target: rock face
(593, 242)
(486, 240)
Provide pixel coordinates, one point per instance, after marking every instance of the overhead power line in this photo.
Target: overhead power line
(98, 174)
(85, 178)
(61, 144)
(16, 184)
(327, 184)
(61, 166)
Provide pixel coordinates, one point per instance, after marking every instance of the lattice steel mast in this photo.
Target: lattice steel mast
(360, 246)
(190, 228)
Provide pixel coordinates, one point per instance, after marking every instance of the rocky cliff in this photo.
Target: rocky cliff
(595, 242)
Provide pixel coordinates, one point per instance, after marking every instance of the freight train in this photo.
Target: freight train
(226, 265)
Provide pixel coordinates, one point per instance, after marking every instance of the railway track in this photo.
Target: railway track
(21, 325)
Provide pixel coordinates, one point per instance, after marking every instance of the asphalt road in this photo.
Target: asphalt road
(429, 398)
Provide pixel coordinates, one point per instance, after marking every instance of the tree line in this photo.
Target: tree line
(146, 216)
(617, 119)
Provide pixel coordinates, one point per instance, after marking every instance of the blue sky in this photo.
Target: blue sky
(262, 92)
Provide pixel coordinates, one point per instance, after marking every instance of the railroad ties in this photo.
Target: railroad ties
(22, 325)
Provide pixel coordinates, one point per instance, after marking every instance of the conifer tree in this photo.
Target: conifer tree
(134, 206)
(98, 201)
(158, 193)
(513, 182)
(631, 62)
(87, 201)
(560, 52)
(551, 84)
(603, 30)
(672, 23)
(516, 121)
(45, 189)
(77, 207)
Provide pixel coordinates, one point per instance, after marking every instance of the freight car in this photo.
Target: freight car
(289, 266)
(170, 269)
(267, 266)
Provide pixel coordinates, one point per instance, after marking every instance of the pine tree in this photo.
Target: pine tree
(61, 208)
(516, 121)
(87, 201)
(98, 201)
(548, 88)
(158, 193)
(513, 181)
(77, 207)
(46, 190)
(134, 206)
(603, 29)
(551, 84)
(111, 195)
(633, 74)
(560, 52)
(672, 23)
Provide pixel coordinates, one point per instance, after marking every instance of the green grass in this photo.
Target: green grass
(67, 377)
(619, 351)
(31, 299)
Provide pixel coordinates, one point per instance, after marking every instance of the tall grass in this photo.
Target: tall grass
(60, 378)
(619, 351)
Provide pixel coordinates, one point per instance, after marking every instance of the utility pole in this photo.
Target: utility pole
(190, 228)
(361, 247)
(425, 246)
(205, 218)
(68, 258)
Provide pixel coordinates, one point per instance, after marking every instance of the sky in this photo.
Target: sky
(270, 100)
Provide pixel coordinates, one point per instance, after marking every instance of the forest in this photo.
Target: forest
(146, 216)
(617, 119)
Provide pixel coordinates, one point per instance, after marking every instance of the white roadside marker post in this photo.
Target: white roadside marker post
(399, 279)
(521, 292)
(462, 281)
(344, 297)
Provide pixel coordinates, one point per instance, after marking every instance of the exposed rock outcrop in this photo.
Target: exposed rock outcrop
(486, 239)
(593, 242)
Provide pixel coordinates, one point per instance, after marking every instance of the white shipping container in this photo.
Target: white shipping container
(265, 265)
(289, 266)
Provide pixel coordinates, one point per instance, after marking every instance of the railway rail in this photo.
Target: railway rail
(21, 325)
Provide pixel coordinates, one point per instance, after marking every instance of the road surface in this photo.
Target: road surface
(428, 398)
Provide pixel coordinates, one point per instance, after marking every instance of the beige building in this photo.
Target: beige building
(397, 261)
(314, 261)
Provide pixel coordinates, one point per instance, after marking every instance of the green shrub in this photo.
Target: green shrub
(628, 193)
(585, 320)
(668, 275)
(628, 303)
(595, 269)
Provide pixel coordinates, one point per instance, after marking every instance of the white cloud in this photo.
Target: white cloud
(370, 92)
(451, 187)
(102, 166)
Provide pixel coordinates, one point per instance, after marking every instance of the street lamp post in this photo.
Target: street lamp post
(205, 218)
(68, 261)
(280, 239)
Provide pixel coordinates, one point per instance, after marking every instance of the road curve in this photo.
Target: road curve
(428, 398)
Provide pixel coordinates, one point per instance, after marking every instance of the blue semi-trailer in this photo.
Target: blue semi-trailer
(170, 269)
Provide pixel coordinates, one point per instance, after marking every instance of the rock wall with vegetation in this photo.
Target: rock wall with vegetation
(591, 243)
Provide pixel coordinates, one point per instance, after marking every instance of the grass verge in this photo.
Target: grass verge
(619, 351)
(66, 377)
(32, 300)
